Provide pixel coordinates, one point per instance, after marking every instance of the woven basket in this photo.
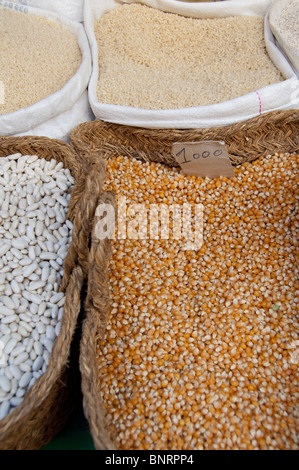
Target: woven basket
(245, 141)
(46, 407)
(276, 131)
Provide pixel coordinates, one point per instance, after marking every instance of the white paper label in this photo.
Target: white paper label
(205, 159)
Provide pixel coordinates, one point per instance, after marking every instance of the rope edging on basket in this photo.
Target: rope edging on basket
(268, 133)
(97, 309)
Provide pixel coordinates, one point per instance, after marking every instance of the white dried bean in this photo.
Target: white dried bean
(5, 383)
(16, 335)
(17, 350)
(15, 370)
(26, 325)
(26, 366)
(25, 379)
(21, 359)
(48, 313)
(42, 308)
(7, 373)
(50, 332)
(19, 243)
(48, 255)
(56, 297)
(48, 344)
(14, 386)
(4, 247)
(33, 308)
(25, 261)
(9, 319)
(6, 310)
(4, 330)
(41, 328)
(45, 273)
(32, 277)
(16, 401)
(31, 253)
(57, 328)
(38, 348)
(29, 269)
(37, 364)
(55, 265)
(10, 345)
(29, 345)
(20, 392)
(36, 285)
(4, 408)
(35, 335)
(8, 302)
(15, 287)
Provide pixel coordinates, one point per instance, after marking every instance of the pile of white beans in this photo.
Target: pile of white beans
(34, 239)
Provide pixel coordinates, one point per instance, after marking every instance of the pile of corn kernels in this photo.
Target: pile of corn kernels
(201, 346)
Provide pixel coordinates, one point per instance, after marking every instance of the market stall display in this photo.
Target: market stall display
(149, 256)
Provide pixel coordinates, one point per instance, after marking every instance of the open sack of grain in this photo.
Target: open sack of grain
(47, 203)
(188, 347)
(170, 64)
(284, 24)
(44, 73)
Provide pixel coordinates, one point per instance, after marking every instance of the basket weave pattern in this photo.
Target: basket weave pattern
(266, 134)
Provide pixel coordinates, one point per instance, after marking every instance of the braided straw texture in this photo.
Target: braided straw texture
(46, 407)
(245, 141)
(97, 309)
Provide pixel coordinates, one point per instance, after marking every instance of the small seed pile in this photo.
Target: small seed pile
(38, 57)
(201, 345)
(34, 239)
(156, 60)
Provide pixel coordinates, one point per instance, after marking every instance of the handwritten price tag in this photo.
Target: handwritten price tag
(205, 159)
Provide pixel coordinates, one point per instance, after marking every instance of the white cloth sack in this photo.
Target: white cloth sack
(287, 40)
(60, 126)
(278, 96)
(73, 9)
(56, 115)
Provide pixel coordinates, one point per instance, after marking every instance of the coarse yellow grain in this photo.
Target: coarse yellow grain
(199, 350)
(157, 60)
(38, 57)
